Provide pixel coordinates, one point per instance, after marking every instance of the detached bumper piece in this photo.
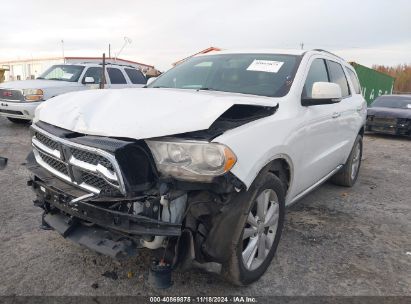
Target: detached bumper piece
(95, 238)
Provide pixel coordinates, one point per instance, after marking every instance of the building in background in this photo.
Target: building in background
(373, 83)
(32, 68)
(2, 72)
(207, 50)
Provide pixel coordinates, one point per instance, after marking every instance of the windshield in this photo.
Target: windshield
(399, 102)
(257, 74)
(63, 73)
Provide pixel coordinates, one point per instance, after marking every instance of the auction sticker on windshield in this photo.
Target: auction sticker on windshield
(268, 66)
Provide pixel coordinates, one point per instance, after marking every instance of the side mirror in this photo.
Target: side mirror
(323, 93)
(89, 80)
(150, 80)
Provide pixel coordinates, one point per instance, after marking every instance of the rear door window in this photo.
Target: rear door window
(116, 76)
(317, 73)
(337, 76)
(136, 77)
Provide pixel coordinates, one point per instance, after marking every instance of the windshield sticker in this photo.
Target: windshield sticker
(66, 76)
(409, 106)
(268, 66)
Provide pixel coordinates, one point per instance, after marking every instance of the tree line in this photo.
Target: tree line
(402, 75)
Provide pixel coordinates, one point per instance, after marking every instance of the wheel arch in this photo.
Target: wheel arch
(362, 131)
(282, 167)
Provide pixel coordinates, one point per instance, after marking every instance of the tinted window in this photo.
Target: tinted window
(317, 73)
(116, 76)
(256, 74)
(337, 76)
(94, 72)
(400, 102)
(136, 76)
(355, 82)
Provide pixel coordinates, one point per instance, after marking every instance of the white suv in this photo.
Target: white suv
(202, 163)
(19, 99)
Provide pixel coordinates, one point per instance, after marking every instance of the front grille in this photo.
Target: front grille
(91, 158)
(47, 141)
(11, 95)
(385, 120)
(99, 183)
(11, 112)
(54, 163)
(58, 155)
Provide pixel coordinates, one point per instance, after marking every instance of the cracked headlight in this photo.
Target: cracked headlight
(33, 94)
(191, 160)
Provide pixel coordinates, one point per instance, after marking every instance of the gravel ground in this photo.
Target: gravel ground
(337, 241)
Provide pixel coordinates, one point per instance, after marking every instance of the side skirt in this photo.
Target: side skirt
(317, 184)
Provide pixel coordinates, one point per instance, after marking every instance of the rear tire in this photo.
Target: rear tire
(348, 174)
(260, 232)
(18, 120)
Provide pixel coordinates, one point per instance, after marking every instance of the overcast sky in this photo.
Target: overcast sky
(366, 31)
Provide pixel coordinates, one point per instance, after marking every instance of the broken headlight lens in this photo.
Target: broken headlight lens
(191, 160)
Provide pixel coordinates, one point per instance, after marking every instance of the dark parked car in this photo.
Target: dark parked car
(390, 114)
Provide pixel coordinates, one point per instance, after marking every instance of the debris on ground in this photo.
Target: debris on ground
(111, 275)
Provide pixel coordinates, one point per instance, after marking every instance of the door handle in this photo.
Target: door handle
(336, 115)
(359, 109)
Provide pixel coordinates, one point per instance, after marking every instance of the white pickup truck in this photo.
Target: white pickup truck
(19, 99)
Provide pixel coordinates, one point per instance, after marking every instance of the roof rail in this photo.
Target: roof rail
(325, 51)
(119, 64)
(109, 63)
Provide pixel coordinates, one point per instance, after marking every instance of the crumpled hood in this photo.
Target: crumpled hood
(36, 84)
(140, 112)
(389, 112)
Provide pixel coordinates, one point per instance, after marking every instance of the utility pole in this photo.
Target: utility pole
(103, 73)
(109, 50)
(302, 45)
(62, 50)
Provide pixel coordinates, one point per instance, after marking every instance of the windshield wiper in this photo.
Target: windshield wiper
(206, 89)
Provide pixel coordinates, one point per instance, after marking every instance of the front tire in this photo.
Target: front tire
(261, 223)
(348, 174)
(18, 120)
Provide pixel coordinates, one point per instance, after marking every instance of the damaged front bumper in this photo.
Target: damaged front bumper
(133, 206)
(393, 126)
(109, 232)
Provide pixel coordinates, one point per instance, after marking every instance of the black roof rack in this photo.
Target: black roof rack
(110, 63)
(119, 64)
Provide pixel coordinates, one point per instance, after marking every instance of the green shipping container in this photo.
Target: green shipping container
(373, 83)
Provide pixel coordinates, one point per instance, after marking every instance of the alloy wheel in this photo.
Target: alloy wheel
(355, 164)
(260, 229)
